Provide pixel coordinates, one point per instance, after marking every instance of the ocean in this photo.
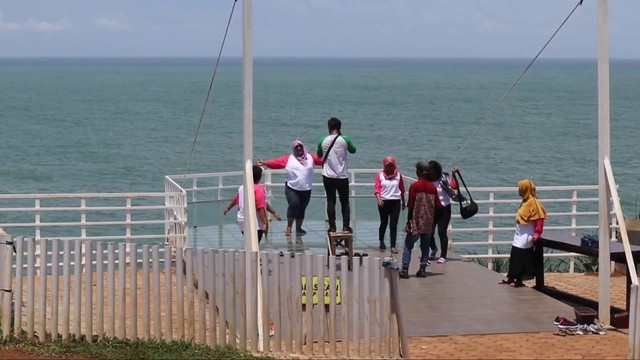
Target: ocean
(120, 125)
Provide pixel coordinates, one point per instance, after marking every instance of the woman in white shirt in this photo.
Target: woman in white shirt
(529, 226)
(389, 191)
(299, 165)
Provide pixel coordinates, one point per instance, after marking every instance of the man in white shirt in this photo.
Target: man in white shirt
(335, 176)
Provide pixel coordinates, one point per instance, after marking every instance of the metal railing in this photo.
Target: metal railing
(572, 209)
(150, 216)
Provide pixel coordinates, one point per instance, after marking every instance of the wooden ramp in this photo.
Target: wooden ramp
(463, 298)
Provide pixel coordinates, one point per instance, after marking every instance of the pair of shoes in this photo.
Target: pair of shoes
(432, 256)
(508, 281)
(441, 261)
(347, 229)
(598, 329)
(382, 246)
(404, 273)
(583, 330)
(301, 232)
(568, 324)
(394, 250)
(564, 332)
(560, 332)
(422, 273)
(559, 319)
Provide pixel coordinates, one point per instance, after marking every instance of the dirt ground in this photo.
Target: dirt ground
(545, 345)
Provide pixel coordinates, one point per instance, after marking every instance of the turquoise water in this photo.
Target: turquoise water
(120, 125)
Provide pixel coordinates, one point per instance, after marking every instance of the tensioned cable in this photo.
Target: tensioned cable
(506, 94)
(206, 101)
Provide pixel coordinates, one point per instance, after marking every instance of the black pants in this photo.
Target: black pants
(298, 201)
(389, 215)
(441, 221)
(521, 264)
(341, 186)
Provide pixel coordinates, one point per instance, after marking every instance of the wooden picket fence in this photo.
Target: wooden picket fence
(304, 304)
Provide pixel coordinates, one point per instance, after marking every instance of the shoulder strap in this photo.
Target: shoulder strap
(463, 184)
(326, 155)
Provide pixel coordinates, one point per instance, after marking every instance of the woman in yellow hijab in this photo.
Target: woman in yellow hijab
(529, 225)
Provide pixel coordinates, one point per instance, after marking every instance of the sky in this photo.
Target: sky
(314, 28)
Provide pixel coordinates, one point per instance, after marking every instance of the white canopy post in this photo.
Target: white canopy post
(604, 149)
(252, 280)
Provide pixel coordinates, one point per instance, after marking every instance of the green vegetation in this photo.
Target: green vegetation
(587, 264)
(126, 349)
(584, 264)
(500, 265)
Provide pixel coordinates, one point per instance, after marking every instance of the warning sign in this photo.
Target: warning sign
(325, 290)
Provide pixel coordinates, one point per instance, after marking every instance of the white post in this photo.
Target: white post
(250, 230)
(604, 149)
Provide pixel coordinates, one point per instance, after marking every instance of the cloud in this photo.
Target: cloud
(112, 24)
(33, 25)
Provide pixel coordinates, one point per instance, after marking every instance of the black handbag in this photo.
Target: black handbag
(469, 210)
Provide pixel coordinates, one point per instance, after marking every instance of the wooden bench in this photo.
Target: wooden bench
(571, 243)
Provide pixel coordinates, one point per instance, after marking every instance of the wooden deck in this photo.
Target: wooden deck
(457, 298)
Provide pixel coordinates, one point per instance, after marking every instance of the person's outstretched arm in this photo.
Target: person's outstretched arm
(277, 163)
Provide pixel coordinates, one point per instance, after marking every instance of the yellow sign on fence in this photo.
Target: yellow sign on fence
(325, 290)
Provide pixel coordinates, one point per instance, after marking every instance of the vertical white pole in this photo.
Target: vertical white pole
(250, 230)
(247, 70)
(604, 150)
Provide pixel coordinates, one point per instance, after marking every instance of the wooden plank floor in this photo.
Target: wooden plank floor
(457, 298)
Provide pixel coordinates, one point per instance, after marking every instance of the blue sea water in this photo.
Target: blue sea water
(120, 125)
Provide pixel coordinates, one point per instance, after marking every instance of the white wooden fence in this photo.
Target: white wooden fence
(311, 305)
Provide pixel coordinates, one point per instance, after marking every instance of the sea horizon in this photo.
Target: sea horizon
(120, 124)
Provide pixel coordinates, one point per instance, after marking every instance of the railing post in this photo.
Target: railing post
(574, 212)
(37, 218)
(128, 220)
(490, 231)
(352, 199)
(83, 218)
(6, 288)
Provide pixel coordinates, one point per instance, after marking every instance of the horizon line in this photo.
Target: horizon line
(318, 57)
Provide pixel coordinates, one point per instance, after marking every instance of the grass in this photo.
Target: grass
(556, 265)
(126, 349)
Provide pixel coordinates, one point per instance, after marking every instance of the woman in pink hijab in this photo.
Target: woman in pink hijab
(299, 165)
(389, 191)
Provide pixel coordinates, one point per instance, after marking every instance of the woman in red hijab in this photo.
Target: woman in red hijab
(389, 191)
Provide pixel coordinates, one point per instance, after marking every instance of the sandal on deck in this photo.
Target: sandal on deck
(505, 282)
(517, 284)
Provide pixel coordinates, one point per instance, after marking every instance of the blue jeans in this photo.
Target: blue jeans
(409, 241)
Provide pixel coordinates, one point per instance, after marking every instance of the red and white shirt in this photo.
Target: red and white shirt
(299, 176)
(389, 189)
(260, 194)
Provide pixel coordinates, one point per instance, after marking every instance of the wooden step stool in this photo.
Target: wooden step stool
(343, 239)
